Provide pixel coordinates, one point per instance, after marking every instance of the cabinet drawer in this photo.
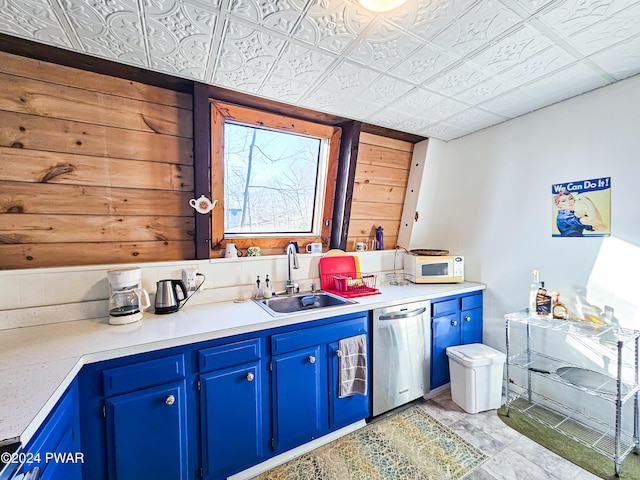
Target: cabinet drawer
(445, 307)
(472, 301)
(143, 375)
(229, 355)
(287, 342)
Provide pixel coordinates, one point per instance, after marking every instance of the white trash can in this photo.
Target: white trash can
(476, 376)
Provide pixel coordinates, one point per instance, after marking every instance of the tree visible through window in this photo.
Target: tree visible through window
(274, 178)
(271, 179)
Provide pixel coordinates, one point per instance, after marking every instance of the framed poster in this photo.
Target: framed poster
(582, 208)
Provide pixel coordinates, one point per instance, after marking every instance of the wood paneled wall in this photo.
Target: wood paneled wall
(380, 185)
(93, 169)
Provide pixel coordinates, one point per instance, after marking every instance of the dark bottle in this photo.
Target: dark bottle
(379, 239)
(543, 302)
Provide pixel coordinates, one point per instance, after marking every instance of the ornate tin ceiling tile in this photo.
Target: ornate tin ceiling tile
(35, 20)
(332, 24)
(476, 28)
(384, 46)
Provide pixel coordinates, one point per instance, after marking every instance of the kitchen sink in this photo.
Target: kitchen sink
(301, 302)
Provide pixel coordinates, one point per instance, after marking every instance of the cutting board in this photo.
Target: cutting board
(427, 251)
(341, 253)
(346, 265)
(339, 265)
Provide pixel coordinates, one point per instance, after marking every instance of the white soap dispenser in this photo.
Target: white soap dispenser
(266, 290)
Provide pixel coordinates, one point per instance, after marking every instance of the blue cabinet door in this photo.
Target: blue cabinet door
(455, 321)
(299, 397)
(147, 434)
(344, 411)
(55, 448)
(471, 318)
(471, 326)
(231, 420)
(445, 333)
(66, 462)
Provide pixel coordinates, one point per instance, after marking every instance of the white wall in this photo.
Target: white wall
(488, 196)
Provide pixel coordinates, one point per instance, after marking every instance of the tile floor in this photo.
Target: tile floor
(511, 455)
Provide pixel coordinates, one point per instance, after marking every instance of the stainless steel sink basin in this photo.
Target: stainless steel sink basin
(301, 302)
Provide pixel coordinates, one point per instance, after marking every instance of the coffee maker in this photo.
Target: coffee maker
(127, 298)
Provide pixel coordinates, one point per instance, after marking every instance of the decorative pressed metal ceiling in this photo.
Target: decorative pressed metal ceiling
(434, 68)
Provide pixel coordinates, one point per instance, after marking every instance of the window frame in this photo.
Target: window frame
(270, 245)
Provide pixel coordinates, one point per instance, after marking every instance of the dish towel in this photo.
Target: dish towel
(352, 366)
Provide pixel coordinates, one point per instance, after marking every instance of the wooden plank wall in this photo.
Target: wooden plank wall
(93, 169)
(380, 185)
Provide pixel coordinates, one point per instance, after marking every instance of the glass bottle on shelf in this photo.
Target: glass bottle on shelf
(559, 309)
(533, 291)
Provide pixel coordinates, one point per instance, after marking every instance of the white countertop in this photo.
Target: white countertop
(40, 362)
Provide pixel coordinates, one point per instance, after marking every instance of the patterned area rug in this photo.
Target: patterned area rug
(405, 446)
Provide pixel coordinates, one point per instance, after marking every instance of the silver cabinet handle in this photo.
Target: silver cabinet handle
(467, 319)
(338, 353)
(250, 377)
(170, 400)
(312, 359)
(454, 322)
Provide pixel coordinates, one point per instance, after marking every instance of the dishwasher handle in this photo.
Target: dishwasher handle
(399, 315)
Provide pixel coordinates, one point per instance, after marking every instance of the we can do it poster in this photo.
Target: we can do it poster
(582, 208)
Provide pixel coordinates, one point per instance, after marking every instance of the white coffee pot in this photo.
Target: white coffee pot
(126, 306)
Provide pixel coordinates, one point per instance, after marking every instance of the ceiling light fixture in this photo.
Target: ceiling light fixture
(379, 6)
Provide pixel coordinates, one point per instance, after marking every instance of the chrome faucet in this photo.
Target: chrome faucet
(292, 263)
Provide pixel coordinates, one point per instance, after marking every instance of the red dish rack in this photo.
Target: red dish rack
(340, 275)
(350, 284)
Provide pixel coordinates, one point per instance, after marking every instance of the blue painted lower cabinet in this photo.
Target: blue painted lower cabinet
(55, 448)
(147, 434)
(212, 409)
(137, 417)
(455, 321)
(347, 410)
(299, 397)
(232, 420)
(305, 381)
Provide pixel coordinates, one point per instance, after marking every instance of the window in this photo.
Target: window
(274, 178)
(270, 181)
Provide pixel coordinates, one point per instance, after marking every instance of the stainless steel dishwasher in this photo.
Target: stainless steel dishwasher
(401, 354)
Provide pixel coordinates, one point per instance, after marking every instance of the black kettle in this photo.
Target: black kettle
(167, 299)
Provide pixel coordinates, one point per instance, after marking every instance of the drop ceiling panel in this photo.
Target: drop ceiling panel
(433, 68)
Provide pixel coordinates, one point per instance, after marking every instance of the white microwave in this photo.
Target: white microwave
(434, 268)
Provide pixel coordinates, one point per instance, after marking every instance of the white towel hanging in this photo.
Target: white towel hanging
(353, 366)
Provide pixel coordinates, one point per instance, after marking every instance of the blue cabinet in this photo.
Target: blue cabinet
(445, 331)
(455, 320)
(346, 410)
(471, 320)
(135, 417)
(233, 429)
(146, 434)
(55, 448)
(212, 409)
(305, 402)
(146, 413)
(299, 397)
